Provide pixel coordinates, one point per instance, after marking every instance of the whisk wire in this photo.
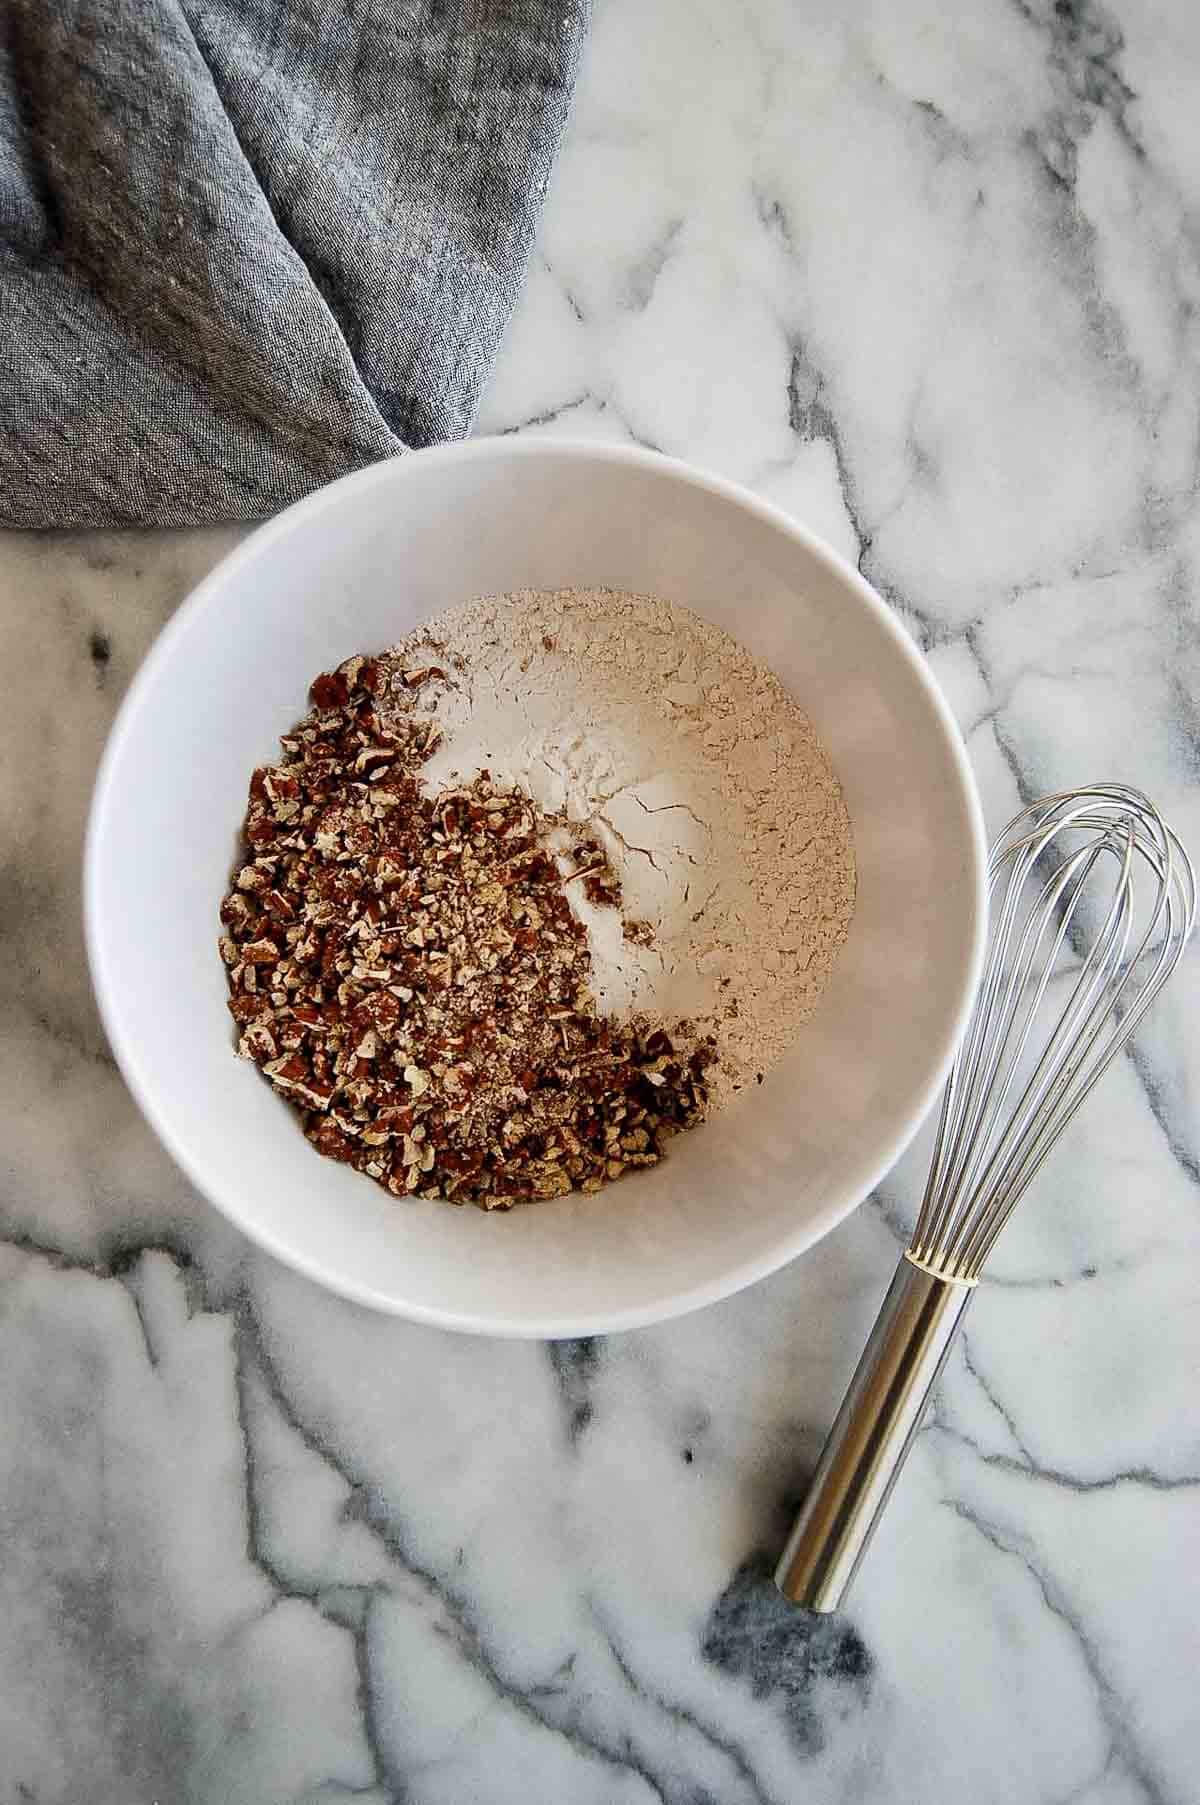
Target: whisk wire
(986, 1039)
(991, 1151)
(1092, 899)
(984, 1073)
(1084, 1003)
(957, 1128)
(996, 1125)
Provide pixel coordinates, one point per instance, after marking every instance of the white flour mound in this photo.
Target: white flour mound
(703, 780)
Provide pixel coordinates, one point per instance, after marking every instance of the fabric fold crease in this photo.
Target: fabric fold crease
(248, 245)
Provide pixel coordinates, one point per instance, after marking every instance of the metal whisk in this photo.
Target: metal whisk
(1092, 900)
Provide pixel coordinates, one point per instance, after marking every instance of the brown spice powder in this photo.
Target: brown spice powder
(698, 773)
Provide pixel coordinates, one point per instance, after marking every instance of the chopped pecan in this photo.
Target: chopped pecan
(409, 974)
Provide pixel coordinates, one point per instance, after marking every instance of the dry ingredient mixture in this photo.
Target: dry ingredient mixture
(529, 892)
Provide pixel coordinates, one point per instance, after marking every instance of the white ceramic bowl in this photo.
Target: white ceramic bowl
(356, 566)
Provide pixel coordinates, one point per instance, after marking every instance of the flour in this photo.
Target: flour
(699, 775)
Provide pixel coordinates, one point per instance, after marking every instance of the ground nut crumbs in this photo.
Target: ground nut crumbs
(408, 970)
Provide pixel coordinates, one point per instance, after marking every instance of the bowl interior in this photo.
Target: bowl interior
(354, 568)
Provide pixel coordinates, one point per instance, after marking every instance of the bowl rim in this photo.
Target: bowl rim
(138, 1077)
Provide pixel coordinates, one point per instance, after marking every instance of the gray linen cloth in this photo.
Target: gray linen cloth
(248, 245)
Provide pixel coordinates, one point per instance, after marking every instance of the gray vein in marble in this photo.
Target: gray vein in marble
(571, 299)
(574, 1365)
(1001, 1411)
(644, 274)
(1151, 1082)
(548, 416)
(932, 287)
(1113, 1709)
(356, 1624)
(899, 1225)
(1030, 1467)
(368, 1508)
(752, 1629)
(810, 417)
(1136, 1053)
(1179, 608)
(1084, 46)
(747, 1781)
(347, 1607)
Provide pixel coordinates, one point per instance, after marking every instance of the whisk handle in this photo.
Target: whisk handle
(871, 1435)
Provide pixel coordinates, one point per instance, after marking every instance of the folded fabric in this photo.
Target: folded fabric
(248, 245)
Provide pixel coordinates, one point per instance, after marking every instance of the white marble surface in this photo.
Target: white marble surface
(929, 278)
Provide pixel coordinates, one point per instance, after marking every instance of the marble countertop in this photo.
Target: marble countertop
(930, 280)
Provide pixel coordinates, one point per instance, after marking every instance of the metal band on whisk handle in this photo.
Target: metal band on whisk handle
(1092, 900)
